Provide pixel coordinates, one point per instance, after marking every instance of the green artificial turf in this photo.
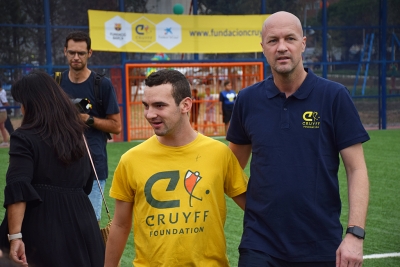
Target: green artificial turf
(382, 155)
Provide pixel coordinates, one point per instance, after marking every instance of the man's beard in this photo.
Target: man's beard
(77, 67)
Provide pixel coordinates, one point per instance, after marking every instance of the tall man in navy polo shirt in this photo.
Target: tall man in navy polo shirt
(296, 124)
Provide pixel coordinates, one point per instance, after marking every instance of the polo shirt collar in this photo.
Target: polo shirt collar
(304, 90)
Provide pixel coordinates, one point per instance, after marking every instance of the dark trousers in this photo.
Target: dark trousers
(8, 125)
(255, 258)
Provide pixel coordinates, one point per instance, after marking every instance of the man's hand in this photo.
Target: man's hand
(350, 252)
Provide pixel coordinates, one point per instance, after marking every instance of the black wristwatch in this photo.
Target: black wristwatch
(90, 121)
(356, 231)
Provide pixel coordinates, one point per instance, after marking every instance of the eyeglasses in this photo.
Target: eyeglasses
(73, 53)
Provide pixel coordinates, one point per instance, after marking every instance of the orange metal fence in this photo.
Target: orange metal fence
(200, 75)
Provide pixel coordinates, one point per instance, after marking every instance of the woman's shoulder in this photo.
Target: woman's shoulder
(25, 134)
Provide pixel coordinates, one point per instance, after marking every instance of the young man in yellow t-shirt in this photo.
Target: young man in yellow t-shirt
(173, 186)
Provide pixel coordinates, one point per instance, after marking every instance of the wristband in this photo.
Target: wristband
(14, 236)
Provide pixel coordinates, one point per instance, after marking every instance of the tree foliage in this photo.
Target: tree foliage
(227, 7)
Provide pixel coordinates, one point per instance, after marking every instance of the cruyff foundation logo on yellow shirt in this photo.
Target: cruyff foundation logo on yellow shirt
(311, 120)
(191, 180)
(178, 221)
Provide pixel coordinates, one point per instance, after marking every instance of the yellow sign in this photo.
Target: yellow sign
(153, 33)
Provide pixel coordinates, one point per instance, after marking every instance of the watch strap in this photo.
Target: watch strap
(14, 236)
(356, 231)
(90, 120)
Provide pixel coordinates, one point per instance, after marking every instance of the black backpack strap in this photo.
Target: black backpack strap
(97, 94)
(58, 77)
(97, 89)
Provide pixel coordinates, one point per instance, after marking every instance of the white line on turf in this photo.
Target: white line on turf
(385, 255)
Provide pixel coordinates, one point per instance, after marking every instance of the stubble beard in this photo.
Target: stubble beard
(160, 131)
(286, 69)
(80, 66)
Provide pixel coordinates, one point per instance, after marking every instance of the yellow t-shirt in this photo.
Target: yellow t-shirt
(179, 204)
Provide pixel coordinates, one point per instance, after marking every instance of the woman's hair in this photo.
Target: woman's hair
(51, 113)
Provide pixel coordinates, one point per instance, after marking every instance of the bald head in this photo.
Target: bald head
(283, 44)
(282, 19)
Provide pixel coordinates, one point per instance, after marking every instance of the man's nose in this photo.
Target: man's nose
(282, 45)
(150, 113)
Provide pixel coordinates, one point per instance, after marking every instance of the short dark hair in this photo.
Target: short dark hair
(180, 85)
(227, 82)
(79, 36)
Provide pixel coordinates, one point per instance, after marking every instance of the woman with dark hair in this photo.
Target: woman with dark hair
(49, 219)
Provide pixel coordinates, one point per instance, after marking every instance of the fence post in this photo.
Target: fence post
(382, 45)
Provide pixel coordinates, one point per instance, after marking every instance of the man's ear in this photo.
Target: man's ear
(304, 43)
(65, 51)
(262, 47)
(186, 105)
(90, 53)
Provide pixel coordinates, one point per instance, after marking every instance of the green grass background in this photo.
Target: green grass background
(382, 155)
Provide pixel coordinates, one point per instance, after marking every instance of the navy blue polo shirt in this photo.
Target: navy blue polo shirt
(293, 203)
(97, 140)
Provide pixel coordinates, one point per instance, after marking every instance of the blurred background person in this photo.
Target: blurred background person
(8, 124)
(209, 114)
(227, 98)
(194, 112)
(103, 118)
(3, 116)
(49, 219)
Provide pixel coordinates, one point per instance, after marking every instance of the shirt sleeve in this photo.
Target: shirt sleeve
(236, 131)
(347, 123)
(20, 172)
(120, 187)
(3, 96)
(236, 180)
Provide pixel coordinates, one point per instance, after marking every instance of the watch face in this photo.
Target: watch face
(90, 121)
(357, 231)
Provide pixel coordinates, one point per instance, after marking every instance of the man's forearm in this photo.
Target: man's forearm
(115, 245)
(110, 124)
(358, 188)
(358, 184)
(107, 125)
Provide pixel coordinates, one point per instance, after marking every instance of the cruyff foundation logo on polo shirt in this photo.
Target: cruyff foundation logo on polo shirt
(311, 120)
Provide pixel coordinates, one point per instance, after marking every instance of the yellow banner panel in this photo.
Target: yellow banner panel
(154, 33)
